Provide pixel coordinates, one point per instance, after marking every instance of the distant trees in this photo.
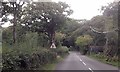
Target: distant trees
(102, 28)
(83, 40)
(68, 29)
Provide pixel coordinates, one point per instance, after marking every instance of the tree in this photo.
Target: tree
(83, 40)
(70, 26)
(46, 17)
(14, 9)
(58, 38)
(111, 13)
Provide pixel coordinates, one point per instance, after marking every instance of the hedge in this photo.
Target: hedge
(17, 60)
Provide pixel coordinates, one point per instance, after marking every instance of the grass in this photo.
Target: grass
(51, 66)
(103, 59)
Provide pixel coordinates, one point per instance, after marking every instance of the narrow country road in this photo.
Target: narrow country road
(76, 61)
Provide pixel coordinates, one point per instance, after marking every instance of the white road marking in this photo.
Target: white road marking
(80, 59)
(84, 63)
(90, 69)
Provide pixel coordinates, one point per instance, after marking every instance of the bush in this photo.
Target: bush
(28, 54)
(16, 59)
(62, 50)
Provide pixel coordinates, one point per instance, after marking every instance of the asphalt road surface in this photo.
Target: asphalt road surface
(76, 61)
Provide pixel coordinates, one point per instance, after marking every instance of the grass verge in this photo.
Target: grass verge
(103, 59)
(51, 66)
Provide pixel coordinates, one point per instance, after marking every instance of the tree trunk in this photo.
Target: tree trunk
(14, 30)
(52, 38)
(14, 25)
(106, 46)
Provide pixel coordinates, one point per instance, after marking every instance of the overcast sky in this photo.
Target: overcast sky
(85, 9)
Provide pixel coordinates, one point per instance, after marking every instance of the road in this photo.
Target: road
(76, 61)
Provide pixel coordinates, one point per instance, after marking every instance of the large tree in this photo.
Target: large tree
(46, 17)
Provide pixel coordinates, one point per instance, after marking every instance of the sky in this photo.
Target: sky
(85, 9)
(82, 9)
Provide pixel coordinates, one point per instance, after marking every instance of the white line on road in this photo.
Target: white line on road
(84, 63)
(90, 69)
(80, 59)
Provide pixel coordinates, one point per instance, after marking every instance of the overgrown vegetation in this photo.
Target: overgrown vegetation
(102, 30)
(29, 54)
(100, 57)
(83, 42)
(34, 28)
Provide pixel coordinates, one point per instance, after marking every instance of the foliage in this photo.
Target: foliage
(16, 59)
(58, 38)
(0, 35)
(114, 61)
(46, 17)
(68, 41)
(98, 22)
(107, 24)
(7, 36)
(70, 26)
(62, 50)
(83, 40)
(14, 9)
(36, 25)
(30, 52)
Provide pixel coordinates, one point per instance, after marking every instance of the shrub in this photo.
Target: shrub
(16, 59)
(62, 50)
